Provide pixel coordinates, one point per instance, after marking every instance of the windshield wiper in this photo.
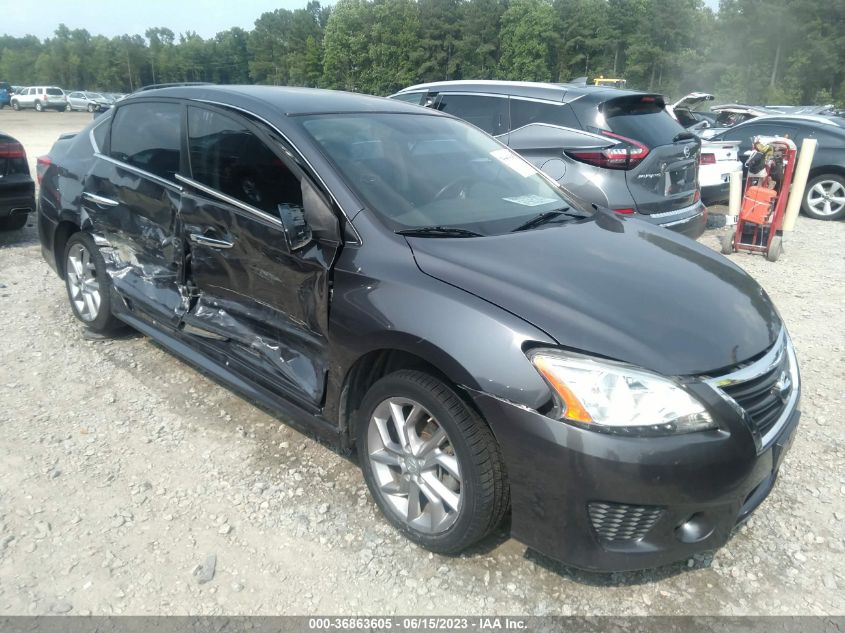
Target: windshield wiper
(545, 217)
(438, 231)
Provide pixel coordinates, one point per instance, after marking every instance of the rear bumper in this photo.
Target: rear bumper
(17, 202)
(690, 221)
(714, 194)
(693, 489)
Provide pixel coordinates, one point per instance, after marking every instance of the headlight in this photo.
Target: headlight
(607, 396)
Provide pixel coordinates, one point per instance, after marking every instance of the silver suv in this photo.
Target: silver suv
(40, 98)
(618, 149)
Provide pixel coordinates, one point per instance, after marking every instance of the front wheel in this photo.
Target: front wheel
(68, 108)
(88, 284)
(91, 107)
(824, 198)
(431, 463)
(16, 106)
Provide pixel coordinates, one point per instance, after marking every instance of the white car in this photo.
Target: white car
(40, 98)
(718, 159)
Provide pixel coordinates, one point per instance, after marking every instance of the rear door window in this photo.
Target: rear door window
(228, 157)
(148, 136)
(486, 112)
(524, 112)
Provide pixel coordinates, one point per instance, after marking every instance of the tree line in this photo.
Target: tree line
(752, 51)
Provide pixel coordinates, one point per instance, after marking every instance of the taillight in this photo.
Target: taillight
(11, 149)
(626, 156)
(625, 211)
(41, 165)
(708, 159)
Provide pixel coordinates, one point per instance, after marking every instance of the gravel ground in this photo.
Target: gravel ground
(132, 484)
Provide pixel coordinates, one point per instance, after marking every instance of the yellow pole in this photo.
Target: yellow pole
(799, 182)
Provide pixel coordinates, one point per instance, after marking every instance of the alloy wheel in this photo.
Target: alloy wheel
(826, 197)
(82, 282)
(414, 465)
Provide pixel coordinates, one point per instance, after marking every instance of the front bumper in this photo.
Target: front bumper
(690, 491)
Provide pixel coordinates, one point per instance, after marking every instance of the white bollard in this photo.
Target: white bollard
(735, 198)
(799, 183)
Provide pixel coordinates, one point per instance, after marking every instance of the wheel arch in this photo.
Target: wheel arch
(373, 365)
(823, 170)
(64, 231)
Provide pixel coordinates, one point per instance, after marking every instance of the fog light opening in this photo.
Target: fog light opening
(695, 529)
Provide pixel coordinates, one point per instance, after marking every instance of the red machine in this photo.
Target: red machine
(770, 169)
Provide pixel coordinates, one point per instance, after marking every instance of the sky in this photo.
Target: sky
(116, 17)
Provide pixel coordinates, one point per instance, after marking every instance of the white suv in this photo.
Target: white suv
(41, 98)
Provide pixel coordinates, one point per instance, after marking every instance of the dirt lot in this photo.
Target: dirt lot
(122, 470)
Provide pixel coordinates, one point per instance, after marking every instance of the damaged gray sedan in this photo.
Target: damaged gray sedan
(404, 286)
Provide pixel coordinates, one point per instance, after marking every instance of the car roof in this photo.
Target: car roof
(529, 89)
(273, 100)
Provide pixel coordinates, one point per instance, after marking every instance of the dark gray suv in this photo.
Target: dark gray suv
(618, 149)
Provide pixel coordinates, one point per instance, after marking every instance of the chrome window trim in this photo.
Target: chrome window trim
(783, 345)
(243, 206)
(141, 172)
(346, 215)
(598, 137)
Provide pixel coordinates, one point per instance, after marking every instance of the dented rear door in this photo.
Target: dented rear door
(130, 204)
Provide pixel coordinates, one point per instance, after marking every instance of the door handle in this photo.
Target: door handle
(204, 240)
(103, 202)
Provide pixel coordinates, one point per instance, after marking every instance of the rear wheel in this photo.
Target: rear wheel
(88, 284)
(39, 107)
(431, 464)
(824, 198)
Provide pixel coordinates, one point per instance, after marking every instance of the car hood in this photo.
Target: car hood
(615, 287)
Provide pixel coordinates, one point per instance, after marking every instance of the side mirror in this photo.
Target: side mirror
(319, 215)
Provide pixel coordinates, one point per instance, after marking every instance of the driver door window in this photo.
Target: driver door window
(231, 159)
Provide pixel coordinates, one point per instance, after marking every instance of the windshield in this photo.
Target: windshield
(95, 95)
(429, 171)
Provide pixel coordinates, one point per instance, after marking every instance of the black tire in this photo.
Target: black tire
(68, 108)
(16, 106)
(91, 107)
(824, 182)
(484, 491)
(104, 322)
(775, 249)
(13, 222)
(39, 107)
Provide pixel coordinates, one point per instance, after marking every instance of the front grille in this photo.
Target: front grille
(619, 522)
(764, 397)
